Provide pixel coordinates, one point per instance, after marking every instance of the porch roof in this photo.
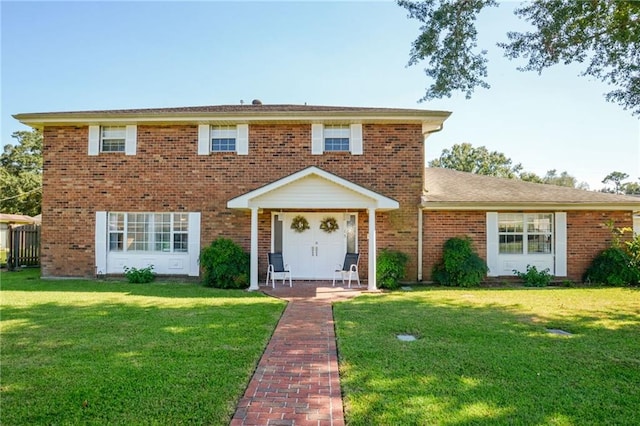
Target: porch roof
(313, 188)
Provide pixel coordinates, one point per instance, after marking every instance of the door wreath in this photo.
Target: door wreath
(299, 224)
(329, 225)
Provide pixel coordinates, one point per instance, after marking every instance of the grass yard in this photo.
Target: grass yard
(89, 352)
(484, 357)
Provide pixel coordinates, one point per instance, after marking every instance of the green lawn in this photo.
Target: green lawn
(89, 352)
(484, 357)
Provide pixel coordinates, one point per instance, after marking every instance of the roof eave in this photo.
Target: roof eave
(541, 206)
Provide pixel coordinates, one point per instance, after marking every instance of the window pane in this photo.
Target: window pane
(510, 222)
(539, 243)
(162, 231)
(181, 222)
(180, 242)
(510, 244)
(116, 241)
(539, 223)
(223, 145)
(116, 221)
(137, 232)
(113, 132)
(336, 144)
(113, 138)
(351, 234)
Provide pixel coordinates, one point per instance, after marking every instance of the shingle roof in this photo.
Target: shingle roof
(446, 187)
(220, 112)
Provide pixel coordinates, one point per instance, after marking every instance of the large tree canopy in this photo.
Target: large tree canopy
(604, 35)
(21, 174)
(467, 158)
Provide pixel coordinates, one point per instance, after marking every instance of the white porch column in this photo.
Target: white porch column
(253, 283)
(372, 283)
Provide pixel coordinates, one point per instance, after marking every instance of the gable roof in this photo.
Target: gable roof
(454, 190)
(312, 188)
(237, 113)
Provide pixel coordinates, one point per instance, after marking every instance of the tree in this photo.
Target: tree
(616, 179)
(602, 34)
(466, 158)
(21, 174)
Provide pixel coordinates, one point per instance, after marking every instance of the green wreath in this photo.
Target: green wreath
(329, 225)
(299, 224)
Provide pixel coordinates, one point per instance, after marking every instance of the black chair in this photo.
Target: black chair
(277, 266)
(349, 268)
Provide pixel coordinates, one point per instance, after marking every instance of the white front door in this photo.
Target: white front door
(314, 253)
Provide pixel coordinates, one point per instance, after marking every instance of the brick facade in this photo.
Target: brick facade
(167, 175)
(587, 235)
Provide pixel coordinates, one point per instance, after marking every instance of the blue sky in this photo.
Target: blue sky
(69, 56)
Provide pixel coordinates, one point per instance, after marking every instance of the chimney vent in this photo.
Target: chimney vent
(256, 102)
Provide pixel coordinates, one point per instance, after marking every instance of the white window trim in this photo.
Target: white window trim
(205, 132)
(151, 241)
(95, 140)
(355, 139)
(560, 244)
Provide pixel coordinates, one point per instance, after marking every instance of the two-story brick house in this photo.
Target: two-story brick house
(154, 186)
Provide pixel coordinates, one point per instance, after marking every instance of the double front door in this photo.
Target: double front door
(314, 253)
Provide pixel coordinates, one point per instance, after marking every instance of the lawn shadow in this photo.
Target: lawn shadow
(136, 357)
(485, 363)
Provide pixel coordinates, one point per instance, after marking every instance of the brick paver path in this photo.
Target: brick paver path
(297, 380)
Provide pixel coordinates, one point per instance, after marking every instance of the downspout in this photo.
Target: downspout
(419, 243)
(426, 134)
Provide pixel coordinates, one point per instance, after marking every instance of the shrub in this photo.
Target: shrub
(461, 266)
(533, 277)
(390, 268)
(225, 265)
(139, 276)
(613, 266)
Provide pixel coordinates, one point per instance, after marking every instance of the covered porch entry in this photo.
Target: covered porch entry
(315, 195)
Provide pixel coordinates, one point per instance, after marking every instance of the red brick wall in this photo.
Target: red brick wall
(586, 235)
(168, 175)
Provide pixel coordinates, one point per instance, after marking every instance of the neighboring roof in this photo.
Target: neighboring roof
(329, 191)
(454, 190)
(235, 113)
(16, 218)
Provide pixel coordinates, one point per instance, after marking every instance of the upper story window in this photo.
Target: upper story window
(112, 138)
(336, 137)
(525, 233)
(223, 138)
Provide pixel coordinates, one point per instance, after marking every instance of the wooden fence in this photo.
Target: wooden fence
(24, 246)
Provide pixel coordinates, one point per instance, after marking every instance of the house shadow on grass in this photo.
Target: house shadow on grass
(90, 357)
(486, 363)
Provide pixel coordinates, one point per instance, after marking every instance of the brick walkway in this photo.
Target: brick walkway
(297, 380)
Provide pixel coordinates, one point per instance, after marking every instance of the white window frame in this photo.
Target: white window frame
(226, 138)
(101, 135)
(334, 136)
(120, 225)
(503, 264)
(321, 132)
(238, 132)
(524, 231)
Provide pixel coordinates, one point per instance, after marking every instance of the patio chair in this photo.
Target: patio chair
(277, 266)
(349, 269)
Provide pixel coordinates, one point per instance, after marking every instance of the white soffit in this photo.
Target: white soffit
(313, 188)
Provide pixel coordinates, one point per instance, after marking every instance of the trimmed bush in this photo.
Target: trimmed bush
(461, 266)
(534, 278)
(139, 276)
(225, 265)
(390, 268)
(613, 266)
